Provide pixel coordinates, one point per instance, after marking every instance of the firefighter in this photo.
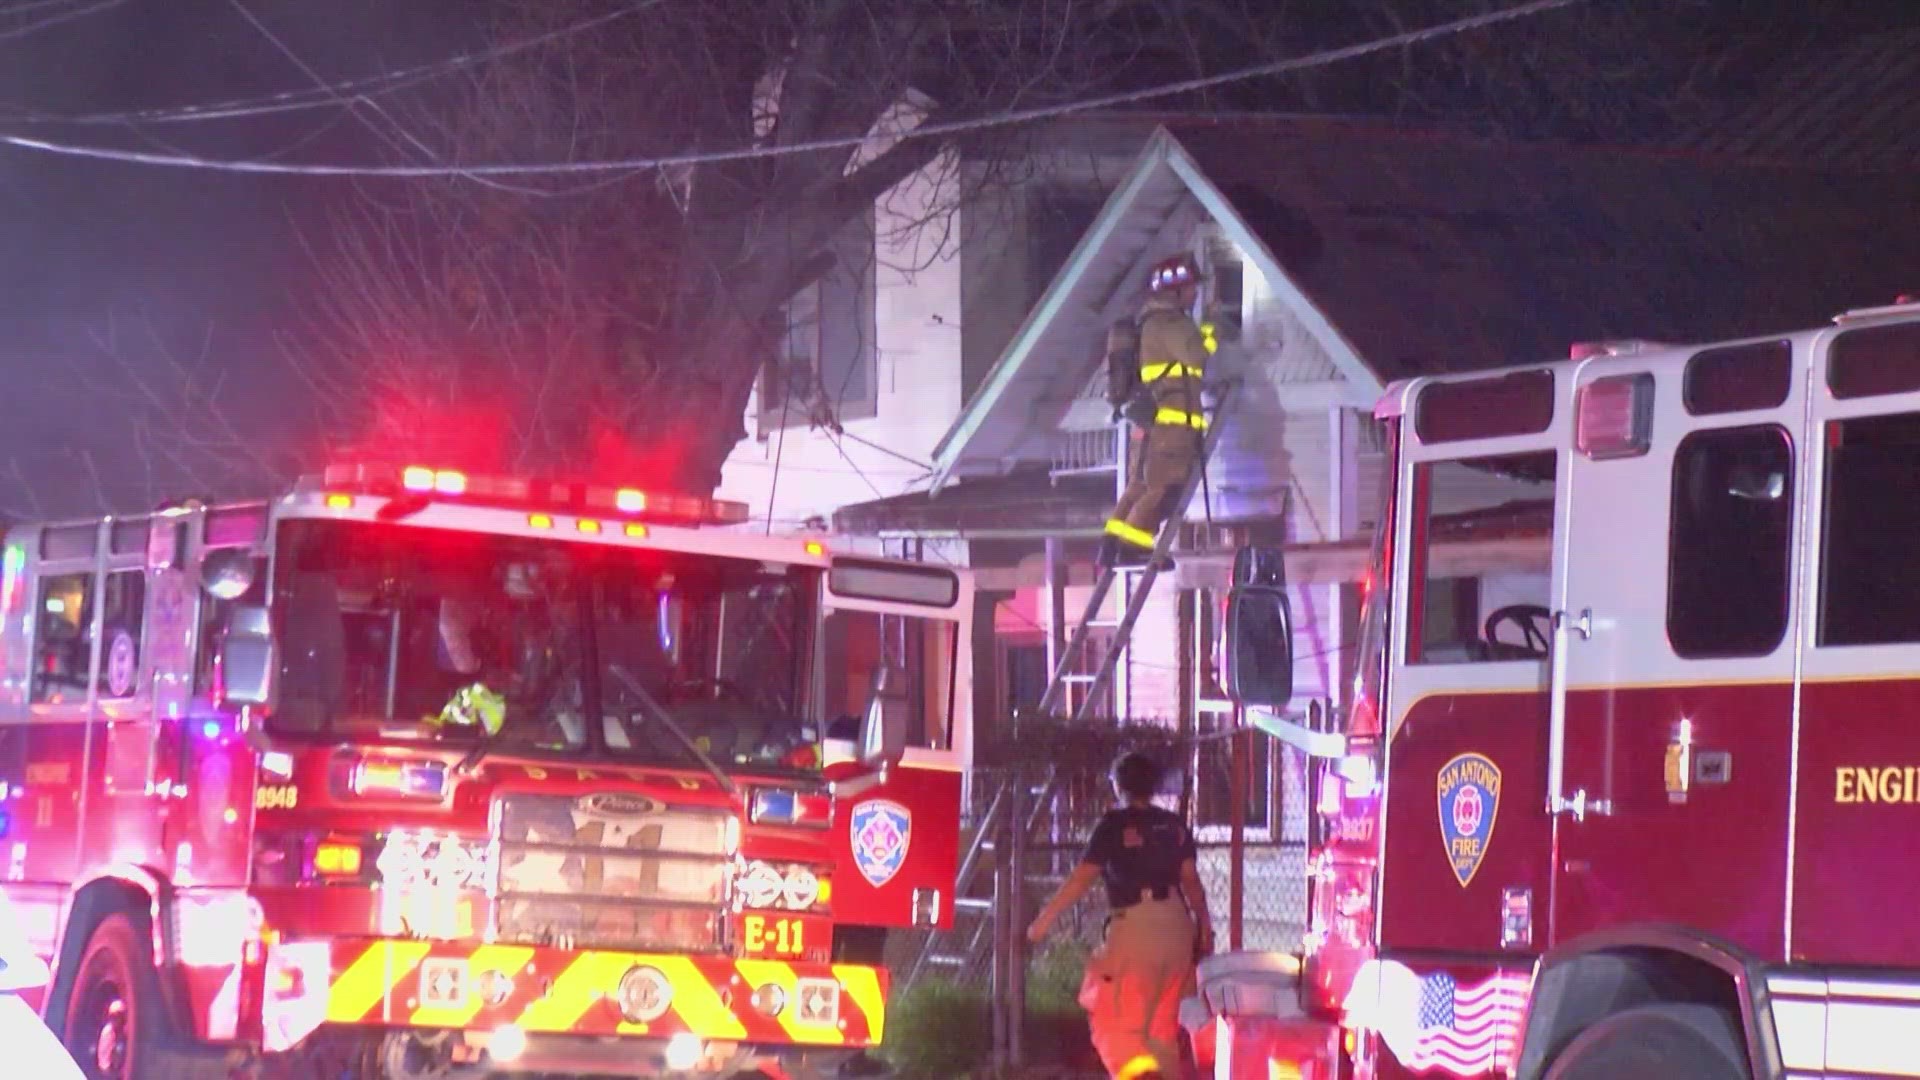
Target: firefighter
(1163, 396)
(1156, 929)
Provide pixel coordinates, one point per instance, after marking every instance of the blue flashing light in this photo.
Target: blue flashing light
(6, 823)
(775, 805)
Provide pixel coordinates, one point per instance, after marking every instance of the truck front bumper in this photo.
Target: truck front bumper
(529, 991)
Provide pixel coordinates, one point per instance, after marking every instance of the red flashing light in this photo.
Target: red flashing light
(545, 497)
(1614, 416)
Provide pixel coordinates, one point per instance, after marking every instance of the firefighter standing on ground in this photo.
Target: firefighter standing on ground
(1135, 980)
(1162, 395)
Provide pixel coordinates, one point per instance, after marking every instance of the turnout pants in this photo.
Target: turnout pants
(1153, 483)
(1133, 987)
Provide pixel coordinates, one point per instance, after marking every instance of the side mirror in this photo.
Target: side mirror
(1259, 632)
(226, 573)
(883, 734)
(248, 657)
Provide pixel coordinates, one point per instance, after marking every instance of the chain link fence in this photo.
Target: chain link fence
(1252, 862)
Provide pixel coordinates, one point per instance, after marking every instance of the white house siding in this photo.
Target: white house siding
(918, 385)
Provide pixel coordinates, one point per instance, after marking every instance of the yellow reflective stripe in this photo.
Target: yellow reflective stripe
(1181, 418)
(862, 984)
(1173, 370)
(697, 1002)
(1139, 1065)
(582, 984)
(1132, 535)
(1211, 343)
(509, 960)
(759, 973)
(369, 980)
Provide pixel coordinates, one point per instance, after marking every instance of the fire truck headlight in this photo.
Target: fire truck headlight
(760, 885)
(422, 858)
(768, 885)
(802, 888)
(213, 928)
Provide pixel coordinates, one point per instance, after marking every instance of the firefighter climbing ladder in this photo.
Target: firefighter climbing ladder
(1063, 673)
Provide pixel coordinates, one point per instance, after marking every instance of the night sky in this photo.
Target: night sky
(184, 261)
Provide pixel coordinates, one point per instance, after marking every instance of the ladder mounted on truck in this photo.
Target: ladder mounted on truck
(1063, 671)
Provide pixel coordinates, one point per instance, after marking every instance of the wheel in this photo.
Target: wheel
(1683, 1042)
(116, 1027)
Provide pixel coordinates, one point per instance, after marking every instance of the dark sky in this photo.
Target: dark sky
(188, 253)
(165, 253)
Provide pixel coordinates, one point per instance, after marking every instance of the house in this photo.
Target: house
(1343, 255)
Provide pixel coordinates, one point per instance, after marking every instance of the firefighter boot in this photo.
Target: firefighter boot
(1118, 555)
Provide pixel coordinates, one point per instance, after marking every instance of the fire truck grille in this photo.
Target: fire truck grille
(609, 870)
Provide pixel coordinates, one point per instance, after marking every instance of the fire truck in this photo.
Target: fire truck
(409, 772)
(1628, 781)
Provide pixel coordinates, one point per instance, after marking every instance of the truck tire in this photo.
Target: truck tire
(116, 1027)
(1682, 1042)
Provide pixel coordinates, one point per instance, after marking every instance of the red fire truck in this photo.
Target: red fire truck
(1628, 782)
(409, 771)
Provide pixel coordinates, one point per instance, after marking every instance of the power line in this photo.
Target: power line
(331, 94)
(68, 15)
(956, 127)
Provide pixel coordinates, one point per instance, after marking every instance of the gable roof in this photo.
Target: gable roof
(1407, 251)
(1058, 347)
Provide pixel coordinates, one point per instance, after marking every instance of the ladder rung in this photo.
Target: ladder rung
(971, 904)
(1076, 680)
(944, 960)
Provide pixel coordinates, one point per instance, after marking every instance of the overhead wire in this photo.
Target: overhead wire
(69, 15)
(934, 130)
(329, 95)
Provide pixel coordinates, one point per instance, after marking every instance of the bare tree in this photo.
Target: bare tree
(628, 317)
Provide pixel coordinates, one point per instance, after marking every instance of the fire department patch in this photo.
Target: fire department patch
(1469, 788)
(881, 832)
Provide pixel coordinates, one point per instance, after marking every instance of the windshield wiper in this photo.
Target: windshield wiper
(661, 714)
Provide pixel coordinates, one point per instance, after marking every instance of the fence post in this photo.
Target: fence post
(1237, 850)
(999, 971)
(1016, 919)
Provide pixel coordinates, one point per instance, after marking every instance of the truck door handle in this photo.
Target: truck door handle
(1580, 805)
(1581, 624)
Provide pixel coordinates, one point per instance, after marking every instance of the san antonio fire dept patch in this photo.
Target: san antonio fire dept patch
(1469, 789)
(881, 833)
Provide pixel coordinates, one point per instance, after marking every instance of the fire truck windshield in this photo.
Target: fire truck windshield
(390, 632)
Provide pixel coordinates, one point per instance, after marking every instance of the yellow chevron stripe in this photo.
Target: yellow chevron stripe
(862, 984)
(590, 977)
(696, 1000)
(370, 978)
(760, 973)
(509, 959)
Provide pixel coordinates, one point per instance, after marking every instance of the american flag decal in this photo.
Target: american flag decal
(1432, 1023)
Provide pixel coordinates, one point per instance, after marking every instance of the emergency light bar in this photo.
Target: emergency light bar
(343, 481)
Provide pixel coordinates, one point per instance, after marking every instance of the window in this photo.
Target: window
(1732, 527)
(214, 613)
(826, 366)
(1870, 581)
(1738, 378)
(1213, 777)
(63, 649)
(924, 652)
(1875, 360)
(1024, 674)
(1057, 219)
(1520, 403)
(1460, 618)
(63, 645)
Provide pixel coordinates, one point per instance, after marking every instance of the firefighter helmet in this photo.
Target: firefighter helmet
(1176, 272)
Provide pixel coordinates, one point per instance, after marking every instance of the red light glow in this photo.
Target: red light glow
(630, 501)
(417, 478)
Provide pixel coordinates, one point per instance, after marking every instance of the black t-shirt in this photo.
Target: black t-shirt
(1139, 848)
